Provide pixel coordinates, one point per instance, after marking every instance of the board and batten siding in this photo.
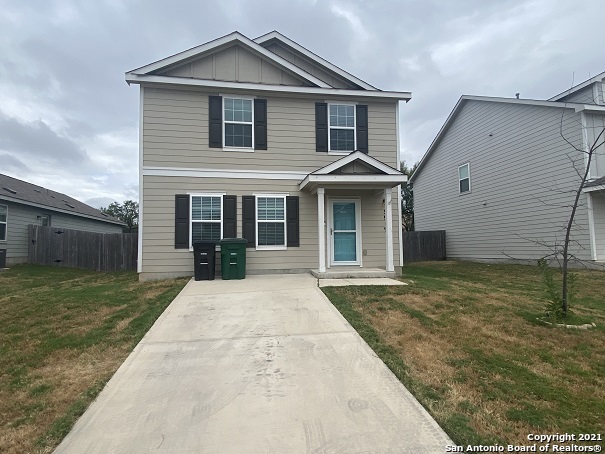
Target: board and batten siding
(598, 208)
(175, 133)
(160, 258)
(520, 182)
(20, 216)
(235, 64)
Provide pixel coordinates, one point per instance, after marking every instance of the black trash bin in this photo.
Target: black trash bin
(204, 260)
(2, 258)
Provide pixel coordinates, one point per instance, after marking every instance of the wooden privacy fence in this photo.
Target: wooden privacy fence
(81, 249)
(429, 245)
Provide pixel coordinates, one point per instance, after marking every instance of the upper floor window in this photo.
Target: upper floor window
(342, 127)
(238, 121)
(464, 178)
(206, 218)
(3, 221)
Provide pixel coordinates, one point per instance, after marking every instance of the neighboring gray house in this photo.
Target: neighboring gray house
(22, 204)
(498, 178)
(263, 139)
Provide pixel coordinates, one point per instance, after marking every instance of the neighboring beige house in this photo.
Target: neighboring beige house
(500, 176)
(263, 139)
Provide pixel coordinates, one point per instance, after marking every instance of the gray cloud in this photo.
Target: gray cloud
(37, 139)
(62, 65)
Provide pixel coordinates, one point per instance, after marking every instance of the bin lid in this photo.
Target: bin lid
(233, 241)
(204, 244)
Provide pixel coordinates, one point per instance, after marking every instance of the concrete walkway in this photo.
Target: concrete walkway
(262, 365)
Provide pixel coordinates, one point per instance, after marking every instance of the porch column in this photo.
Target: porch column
(388, 219)
(321, 228)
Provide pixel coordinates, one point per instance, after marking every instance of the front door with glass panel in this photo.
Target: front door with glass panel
(344, 230)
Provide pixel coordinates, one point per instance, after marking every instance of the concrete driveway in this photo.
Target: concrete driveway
(262, 365)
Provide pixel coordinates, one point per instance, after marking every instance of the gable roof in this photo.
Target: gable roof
(525, 102)
(19, 191)
(383, 175)
(586, 83)
(148, 74)
(231, 38)
(276, 36)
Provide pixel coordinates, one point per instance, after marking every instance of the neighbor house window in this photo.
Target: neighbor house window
(341, 119)
(44, 220)
(206, 218)
(3, 220)
(464, 178)
(237, 122)
(271, 221)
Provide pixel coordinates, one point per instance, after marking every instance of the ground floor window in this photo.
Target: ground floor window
(3, 221)
(271, 221)
(206, 217)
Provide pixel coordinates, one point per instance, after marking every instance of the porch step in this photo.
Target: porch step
(352, 273)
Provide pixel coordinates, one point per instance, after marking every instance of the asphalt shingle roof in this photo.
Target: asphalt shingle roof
(596, 182)
(16, 190)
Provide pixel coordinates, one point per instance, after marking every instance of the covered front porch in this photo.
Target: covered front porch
(357, 217)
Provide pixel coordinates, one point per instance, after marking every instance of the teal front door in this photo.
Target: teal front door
(345, 232)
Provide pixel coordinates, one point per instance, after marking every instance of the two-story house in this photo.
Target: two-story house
(501, 173)
(264, 140)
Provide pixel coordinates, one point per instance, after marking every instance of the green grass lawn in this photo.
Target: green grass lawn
(63, 334)
(465, 340)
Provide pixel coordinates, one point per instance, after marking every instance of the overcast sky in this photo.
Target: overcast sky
(69, 122)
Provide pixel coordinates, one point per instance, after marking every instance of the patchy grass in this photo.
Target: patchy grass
(463, 337)
(64, 333)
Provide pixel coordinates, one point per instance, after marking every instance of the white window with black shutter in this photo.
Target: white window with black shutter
(203, 217)
(237, 123)
(341, 128)
(271, 221)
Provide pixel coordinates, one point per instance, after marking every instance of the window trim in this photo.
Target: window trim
(467, 164)
(191, 221)
(224, 121)
(40, 218)
(285, 222)
(6, 225)
(354, 128)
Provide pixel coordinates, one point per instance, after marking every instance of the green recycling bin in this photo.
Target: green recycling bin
(233, 258)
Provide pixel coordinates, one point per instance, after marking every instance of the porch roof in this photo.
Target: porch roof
(356, 170)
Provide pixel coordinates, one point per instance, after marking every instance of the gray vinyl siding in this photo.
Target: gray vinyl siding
(595, 125)
(236, 64)
(598, 207)
(160, 256)
(521, 178)
(309, 66)
(175, 133)
(584, 96)
(20, 216)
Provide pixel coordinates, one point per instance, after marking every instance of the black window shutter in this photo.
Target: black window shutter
(181, 221)
(362, 128)
(229, 216)
(260, 124)
(215, 127)
(292, 221)
(249, 219)
(321, 126)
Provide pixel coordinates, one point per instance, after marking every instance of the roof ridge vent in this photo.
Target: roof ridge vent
(12, 191)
